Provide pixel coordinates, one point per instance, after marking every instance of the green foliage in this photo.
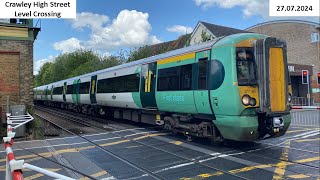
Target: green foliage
(74, 64)
(139, 53)
(85, 61)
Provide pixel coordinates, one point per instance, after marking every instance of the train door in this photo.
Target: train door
(76, 91)
(51, 98)
(93, 89)
(201, 93)
(148, 85)
(46, 93)
(64, 91)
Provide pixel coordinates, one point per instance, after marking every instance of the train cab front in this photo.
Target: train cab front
(263, 83)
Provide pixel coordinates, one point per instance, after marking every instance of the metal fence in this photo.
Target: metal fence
(306, 117)
(299, 101)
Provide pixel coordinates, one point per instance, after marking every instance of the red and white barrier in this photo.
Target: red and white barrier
(306, 107)
(13, 166)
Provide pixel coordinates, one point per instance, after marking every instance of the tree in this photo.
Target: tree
(74, 64)
(205, 37)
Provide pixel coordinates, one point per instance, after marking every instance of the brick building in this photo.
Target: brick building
(303, 50)
(16, 60)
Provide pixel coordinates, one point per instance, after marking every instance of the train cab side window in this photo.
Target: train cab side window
(202, 78)
(84, 88)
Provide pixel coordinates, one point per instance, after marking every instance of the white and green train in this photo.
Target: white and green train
(235, 87)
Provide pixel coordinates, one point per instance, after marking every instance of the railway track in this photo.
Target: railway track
(146, 171)
(251, 150)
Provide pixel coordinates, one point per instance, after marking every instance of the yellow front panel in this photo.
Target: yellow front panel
(13, 32)
(277, 80)
(253, 92)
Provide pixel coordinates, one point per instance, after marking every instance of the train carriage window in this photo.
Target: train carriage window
(175, 78)
(84, 88)
(168, 79)
(132, 83)
(128, 83)
(57, 90)
(186, 77)
(69, 89)
(202, 78)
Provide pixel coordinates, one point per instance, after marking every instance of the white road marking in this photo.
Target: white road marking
(314, 134)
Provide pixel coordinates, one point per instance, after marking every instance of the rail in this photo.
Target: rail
(14, 167)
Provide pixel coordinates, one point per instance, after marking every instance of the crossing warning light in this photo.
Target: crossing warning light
(318, 77)
(305, 77)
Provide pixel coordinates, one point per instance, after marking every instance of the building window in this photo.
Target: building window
(315, 37)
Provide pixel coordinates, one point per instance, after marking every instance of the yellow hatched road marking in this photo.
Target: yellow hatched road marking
(177, 58)
(209, 175)
(98, 174)
(298, 176)
(281, 166)
(317, 158)
(263, 166)
(38, 175)
(176, 142)
(114, 143)
(249, 168)
(149, 135)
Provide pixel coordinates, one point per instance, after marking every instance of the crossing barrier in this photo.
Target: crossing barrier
(14, 167)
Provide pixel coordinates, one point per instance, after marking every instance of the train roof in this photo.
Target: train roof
(168, 54)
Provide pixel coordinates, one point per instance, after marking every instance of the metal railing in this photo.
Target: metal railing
(299, 101)
(306, 116)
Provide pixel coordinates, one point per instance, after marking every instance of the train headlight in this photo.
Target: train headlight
(253, 102)
(289, 97)
(246, 99)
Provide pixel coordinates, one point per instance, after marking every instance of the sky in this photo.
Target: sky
(109, 26)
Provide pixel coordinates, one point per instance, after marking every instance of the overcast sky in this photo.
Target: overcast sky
(106, 26)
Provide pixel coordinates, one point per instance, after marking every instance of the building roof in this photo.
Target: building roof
(172, 45)
(220, 31)
(285, 21)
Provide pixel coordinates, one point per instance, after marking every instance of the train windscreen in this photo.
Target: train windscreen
(246, 67)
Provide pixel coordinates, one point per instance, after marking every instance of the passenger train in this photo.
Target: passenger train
(235, 87)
